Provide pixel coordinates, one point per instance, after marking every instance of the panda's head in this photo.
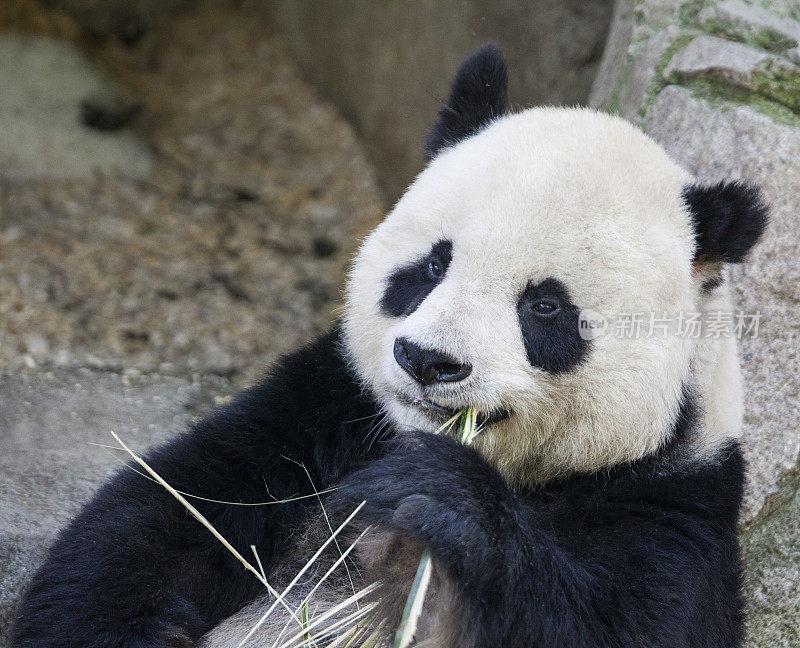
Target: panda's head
(522, 229)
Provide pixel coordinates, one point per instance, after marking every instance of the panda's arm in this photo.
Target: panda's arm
(639, 556)
(135, 569)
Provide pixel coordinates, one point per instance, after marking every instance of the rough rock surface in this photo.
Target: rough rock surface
(49, 466)
(729, 109)
(717, 59)
(772, 554)
(750, 23)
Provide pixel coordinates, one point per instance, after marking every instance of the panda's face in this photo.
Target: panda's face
(470, 292)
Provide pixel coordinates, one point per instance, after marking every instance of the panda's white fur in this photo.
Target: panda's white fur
(549, 192)
(573, 194)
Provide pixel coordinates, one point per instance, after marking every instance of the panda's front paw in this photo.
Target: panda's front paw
(439, 492)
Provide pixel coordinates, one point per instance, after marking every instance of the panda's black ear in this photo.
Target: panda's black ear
(478, 95)
(729, 218)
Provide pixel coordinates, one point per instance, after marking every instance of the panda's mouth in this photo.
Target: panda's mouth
(444, 413)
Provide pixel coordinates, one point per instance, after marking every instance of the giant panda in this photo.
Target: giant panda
(598, 505)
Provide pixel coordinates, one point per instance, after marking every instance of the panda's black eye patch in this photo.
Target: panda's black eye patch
(407, 287)
(549, 324)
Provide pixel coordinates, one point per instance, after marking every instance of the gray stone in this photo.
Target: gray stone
(707, 55)
(651, 16)
(643, 72)
(49, 466)
(44, 82)
(641, 36)
(771, 551)
(743, 144)
(738, 65)
(753, 24)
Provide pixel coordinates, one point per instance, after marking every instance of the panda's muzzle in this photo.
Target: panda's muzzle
(428, 366)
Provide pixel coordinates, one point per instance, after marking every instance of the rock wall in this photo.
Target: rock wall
(50, 463)
(718, 84)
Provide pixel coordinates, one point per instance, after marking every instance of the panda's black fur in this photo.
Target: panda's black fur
(134, 569)
(642, 554)
(408, 286)
(479, 95)
(729, 218)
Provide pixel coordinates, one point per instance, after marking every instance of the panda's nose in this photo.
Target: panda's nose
(427, 366)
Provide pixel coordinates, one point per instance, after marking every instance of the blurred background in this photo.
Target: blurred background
(183, 182)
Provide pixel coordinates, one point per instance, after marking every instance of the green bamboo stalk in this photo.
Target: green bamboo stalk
(467, 431)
